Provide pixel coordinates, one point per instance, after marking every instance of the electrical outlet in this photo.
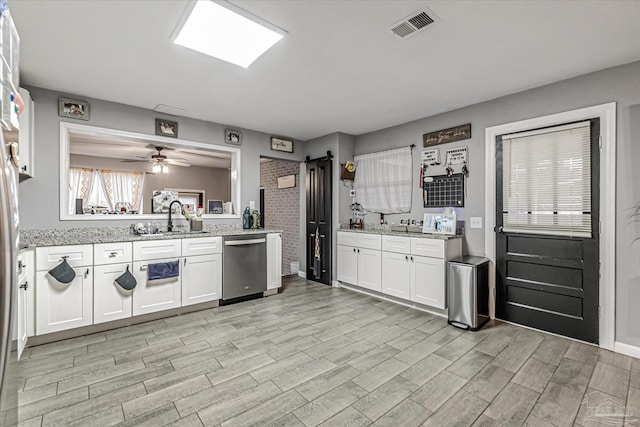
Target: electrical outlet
(352, 193)
(476, 222)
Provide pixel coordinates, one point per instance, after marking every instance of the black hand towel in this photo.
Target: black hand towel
(63, 273)
(163, 270)
(126, 280)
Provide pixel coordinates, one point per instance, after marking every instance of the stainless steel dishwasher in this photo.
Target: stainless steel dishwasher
(244, 266)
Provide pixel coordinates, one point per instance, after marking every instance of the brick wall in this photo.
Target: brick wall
(282, 207)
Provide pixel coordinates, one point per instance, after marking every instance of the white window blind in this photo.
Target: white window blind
(383, 181)
(547, 181)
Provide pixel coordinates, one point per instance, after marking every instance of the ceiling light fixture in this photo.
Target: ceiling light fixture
(165, 169)
(227, 32)
(156, 168)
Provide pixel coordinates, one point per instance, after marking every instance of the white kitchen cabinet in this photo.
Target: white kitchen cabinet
(112, 253)
(156, 249)
(274, 260)
(201, 278)
(110, 300)
(428, 281)
(369, 272)
(25, 311)
(396, 274)
(62, 306)
(25, 137)
(151, 296)
(201, 246)
(347, 264)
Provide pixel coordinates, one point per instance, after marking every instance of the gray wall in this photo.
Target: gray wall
(39, 196)
(282, 207)
(619, 84)
(216, 182)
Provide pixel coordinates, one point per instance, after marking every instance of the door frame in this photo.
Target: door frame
(607, 114)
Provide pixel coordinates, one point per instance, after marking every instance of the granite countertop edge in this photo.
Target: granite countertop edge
(383, 232)
(98, 239)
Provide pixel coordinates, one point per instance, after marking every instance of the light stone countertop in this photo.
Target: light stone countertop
(387, 232)
(96, 235)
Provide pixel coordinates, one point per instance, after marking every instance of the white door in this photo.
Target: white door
(155, 295)
(22, 314)
(110, 301)
(347, 264)
(396, 274)
(369, 271)
(62, 306)
(274, 261)
(428, 281)
(201, 278)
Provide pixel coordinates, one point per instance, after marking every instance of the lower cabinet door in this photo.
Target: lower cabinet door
(347, 259)
(110, 300)
(22, 315)
(274, 261)
(369, 271)
(396, 275)
(201, 278)
(62, 306)
(427, 281)
(150, 296)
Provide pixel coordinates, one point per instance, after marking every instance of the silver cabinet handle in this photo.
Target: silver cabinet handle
(24, 286)
(411, 259)
(185, 261)
(86, 273)
(406, 257)
(143, 267)
(113, 254)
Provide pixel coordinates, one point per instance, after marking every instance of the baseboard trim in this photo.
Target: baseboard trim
(336, 284)
(434, 311)
(626, 349)
(302, 274)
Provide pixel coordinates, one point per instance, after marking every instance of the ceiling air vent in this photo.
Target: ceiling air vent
(412, 24)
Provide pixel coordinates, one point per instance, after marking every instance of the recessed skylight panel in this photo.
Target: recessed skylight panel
(220, 32)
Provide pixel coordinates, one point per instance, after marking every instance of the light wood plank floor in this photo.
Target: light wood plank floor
(315, 355)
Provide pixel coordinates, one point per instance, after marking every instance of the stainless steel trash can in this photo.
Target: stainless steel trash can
(468, 292)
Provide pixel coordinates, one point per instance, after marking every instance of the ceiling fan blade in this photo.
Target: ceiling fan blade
(134, 161)
(177, 162)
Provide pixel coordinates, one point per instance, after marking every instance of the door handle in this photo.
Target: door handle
(499, 229)
(24, 286)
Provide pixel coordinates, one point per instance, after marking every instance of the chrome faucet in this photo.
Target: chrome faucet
(170, 224)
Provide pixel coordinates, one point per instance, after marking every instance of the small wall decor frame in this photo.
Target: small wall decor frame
(232, 136)
(280, 144)
(166, 128)
(457, 133)
(73, 109)
(287, 181)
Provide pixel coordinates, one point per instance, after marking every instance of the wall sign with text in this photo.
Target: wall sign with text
(279, 144)
(443, 136)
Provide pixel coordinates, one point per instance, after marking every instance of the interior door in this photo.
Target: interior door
(550, 281)
(319, 208)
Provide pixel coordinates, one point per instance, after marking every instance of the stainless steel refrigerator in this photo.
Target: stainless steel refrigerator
(9, 246)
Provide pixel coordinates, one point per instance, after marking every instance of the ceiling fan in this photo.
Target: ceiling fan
(160, 161)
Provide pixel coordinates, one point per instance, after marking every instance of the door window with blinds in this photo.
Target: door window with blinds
(547, 181)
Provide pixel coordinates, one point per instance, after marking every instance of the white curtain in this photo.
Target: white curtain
(383, 181)
(80, 181)
(123, 187)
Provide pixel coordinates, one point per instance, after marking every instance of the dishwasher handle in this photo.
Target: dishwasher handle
(244, 242)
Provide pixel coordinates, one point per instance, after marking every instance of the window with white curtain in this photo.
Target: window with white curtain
(547, 181)
(105, 188)
(383, 181)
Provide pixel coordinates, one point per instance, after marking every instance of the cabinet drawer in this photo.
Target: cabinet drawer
(397, 244)
(112, 253)
(77, 256)
(202, 246)
(369, 241)
(433, 248)
(347, 238)
(156, 249)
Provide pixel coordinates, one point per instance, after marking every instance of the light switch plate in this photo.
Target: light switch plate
(252, 205)
(476, 222)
